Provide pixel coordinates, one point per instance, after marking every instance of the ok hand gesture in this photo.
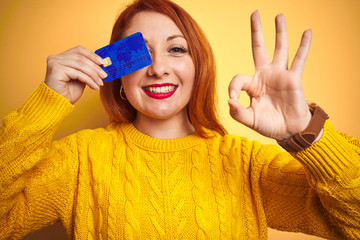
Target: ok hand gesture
(278, 108)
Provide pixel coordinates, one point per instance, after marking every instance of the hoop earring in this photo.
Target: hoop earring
(121, 95)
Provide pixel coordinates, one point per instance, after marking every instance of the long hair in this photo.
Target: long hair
(202, 107)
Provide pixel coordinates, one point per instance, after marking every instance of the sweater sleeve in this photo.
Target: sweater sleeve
(37, 176)
(318, 194)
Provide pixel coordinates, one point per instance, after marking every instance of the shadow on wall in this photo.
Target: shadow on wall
(54, 232)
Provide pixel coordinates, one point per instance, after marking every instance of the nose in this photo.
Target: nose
(159, 66)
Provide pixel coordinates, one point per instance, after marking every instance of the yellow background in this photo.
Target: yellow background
(30, 30)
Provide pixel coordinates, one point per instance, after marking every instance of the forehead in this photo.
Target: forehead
(152, 23)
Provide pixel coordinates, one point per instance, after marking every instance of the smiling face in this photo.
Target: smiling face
(162, 90)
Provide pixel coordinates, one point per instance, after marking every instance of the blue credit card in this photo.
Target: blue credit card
(124, 56)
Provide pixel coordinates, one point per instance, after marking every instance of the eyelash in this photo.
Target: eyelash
(178, 50)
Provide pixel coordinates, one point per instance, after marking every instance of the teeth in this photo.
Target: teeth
(164, 89)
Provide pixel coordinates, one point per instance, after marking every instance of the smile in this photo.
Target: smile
(165, 89)
(160, 91)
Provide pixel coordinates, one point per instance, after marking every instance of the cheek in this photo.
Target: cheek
(134, 77)
(131, 81)
(186, 71)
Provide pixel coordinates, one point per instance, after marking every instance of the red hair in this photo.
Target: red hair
(202, 107)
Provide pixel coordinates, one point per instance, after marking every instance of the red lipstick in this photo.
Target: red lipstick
(160, 91)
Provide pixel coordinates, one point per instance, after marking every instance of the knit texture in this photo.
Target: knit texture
(118, 183)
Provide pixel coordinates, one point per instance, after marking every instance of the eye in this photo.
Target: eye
(178, 50)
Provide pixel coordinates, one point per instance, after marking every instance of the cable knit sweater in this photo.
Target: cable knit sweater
(118, 183)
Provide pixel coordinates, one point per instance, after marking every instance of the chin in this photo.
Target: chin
(165, 114)
(161, 116)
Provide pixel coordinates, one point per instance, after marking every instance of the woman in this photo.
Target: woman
(165, 167)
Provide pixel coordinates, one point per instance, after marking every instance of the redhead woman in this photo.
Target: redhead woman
(165, 167)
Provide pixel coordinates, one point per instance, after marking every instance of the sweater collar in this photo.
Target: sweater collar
(156, 144)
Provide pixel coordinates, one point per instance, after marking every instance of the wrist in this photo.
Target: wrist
(310, 134)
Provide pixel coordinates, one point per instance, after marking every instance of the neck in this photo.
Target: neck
(174, 127)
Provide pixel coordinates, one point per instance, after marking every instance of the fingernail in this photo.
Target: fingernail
(103, 73)
(233, 94)
(101, 61)
(101, 82)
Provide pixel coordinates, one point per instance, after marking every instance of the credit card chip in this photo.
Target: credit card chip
(107, 62)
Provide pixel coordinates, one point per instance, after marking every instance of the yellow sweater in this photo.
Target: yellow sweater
(118, 183)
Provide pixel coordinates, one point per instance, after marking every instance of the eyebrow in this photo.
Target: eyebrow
(175, 36)
(170, 37)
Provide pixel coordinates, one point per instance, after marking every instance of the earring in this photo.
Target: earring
(121, 95)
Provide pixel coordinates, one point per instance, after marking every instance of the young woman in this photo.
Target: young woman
(165, 168)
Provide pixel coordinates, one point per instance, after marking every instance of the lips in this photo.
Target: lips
(160, 91)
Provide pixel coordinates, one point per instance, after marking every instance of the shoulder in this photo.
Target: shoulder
(88, 138)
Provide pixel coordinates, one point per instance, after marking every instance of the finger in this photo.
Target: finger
(239, 83)
(241, 114)
(87, 53)
(80, 76)
(260, 54)
(302, 53)
(281, 55)
(100, 72)
(86, 66)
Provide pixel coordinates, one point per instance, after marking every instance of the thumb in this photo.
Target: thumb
(241, 114)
